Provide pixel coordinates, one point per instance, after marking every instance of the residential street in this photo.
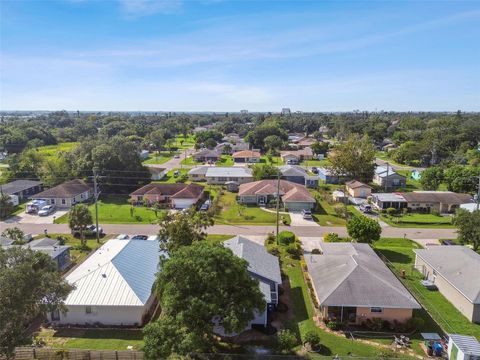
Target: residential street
(308, 231)
(173, 163)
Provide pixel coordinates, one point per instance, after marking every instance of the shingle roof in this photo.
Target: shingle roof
(302, 152)
(290, 192)
(207, 153)
(260, 262)
(65, 190)
(246, 154)
(51, 247)
(292, 170)
(351, 274)
(5, 242)
(232, 171)
(459, 265)
(354, 184)
(469, 345)
(443, 197)
(18, 185)
(119, 273)
(177, 190)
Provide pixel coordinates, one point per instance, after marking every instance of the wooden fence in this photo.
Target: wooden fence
(30, 353)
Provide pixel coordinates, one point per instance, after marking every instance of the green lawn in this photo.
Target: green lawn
(275, 160)
(418, 220)
(52, 150)
(117, 210)
(317, 163)
(225, 160)
(190, 161)
(170, 178)
(303, 317)
(233, 213)
(183, 143)
(78, 253)
(218, 238)
(402, 257)
(158, 158)
(324, 213)
(93, 339)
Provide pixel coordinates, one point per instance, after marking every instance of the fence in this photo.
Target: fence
(27, 353)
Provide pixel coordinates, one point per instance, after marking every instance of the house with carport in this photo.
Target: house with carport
(455, 271)
(352, 284)
(246, 156)
(444, 202)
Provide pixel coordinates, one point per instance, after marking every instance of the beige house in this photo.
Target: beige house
(455, 270)
(66, 194)
(246, 156)
(352, 285)
(178, 195)
(297, 155)
(358, 189)
(441, 201)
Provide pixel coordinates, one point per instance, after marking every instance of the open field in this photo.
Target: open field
(53, 150)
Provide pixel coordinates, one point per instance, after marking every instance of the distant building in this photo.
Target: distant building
(221, 175)
(243, 111)
(246, 156)
(286, 111)
(358, 189)
(386, 177)
(60, 254)
(22, 189)
(157, 173)
(177, 196)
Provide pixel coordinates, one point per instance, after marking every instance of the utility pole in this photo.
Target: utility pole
(278, 201)
(478, 194)
(96, 195)
(386, 179)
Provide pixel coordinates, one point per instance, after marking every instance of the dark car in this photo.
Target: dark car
(367, 209)
(447, 242)
(314, 170)
(139, 237)
(90, 230)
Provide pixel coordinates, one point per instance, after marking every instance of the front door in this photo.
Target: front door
(262, 200)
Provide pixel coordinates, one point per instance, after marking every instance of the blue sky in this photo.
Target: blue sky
(213, 55)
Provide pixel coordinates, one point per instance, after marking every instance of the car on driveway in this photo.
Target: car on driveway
(366, 209)
(46, 210)
(307, 214)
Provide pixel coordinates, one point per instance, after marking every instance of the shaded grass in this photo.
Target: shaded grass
(77, 252)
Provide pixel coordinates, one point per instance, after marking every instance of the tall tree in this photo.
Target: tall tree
(6, 205)
(363, 229)
(183, 229)
(431, 178)
(15, 234)
(199, 283)
(29, 285)
(468, 227)
(79, 217)
(354, 158)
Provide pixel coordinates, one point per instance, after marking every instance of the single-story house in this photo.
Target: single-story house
(22, 188)
(176, 195)
(58, 253)
(207, 155)
(416, 174)
(293, 173)
(358, 189)
(113, 286)
(294, 196)
(297, 155)
(246, 156)
(385, 176)
(220, 175)
(383, 201)
(441, 201)
(158, 173)
(306, 142)
(198, 173)
(327, 175)
(471, 207)
(66, 194)
(463, 347)
(311, 181)
(455, 270)
(263, 267)
(340, 196)
(352, 285)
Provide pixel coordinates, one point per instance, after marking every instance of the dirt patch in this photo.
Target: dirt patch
(280, 318)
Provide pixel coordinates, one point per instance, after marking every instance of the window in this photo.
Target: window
(376, 310)
(52, 201)
(81, 196)
(88, 309)
(63, 201)
(222, 179)
(55, 315)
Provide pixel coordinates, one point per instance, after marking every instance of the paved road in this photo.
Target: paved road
(379, 161)
(308, 231)
(173, 163)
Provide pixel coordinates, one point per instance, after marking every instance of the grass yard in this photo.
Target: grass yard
(170, 178)
(117, 210)
(225, 160)
(92, 339)
(325, 213)
(303, 312)
(52, 150)
(317, 163)
(233, 213)
(418, 220)
(273, 160)
(190, 161)
(78, 253)
(218, 238)
(402, 257)
(158, 158)
(183, 143)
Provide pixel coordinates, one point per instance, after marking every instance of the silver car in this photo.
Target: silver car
(46, 210)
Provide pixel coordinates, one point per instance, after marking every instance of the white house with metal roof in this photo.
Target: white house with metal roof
(113, 286)
(463, 347)
(220, 175)
(261, 266)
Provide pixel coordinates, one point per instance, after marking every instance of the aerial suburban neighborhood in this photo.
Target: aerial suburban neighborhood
(239, 180)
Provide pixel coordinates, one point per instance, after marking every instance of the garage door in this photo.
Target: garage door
(297, 206)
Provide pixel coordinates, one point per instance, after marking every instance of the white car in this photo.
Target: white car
(46, 210)
(307, 214)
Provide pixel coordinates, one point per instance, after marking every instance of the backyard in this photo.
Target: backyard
(234, 213)
(325, 213)
(401, 257)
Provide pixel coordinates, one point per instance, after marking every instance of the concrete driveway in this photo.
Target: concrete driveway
(297, 219)
(24, 218)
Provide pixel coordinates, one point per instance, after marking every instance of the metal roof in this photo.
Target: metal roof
(232, 171)
(469, 345)
(119, 273)
(389, 197)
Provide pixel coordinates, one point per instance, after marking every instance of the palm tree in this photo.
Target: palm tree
(79, 218)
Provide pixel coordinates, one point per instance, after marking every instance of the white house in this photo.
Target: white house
(66, 194)
(113, 286)
(462, 347)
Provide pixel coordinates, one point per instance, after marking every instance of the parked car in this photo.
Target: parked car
(123, 237)
(205, 206)
(177, 156)
(292, 162)
(307, 214)
(139, 237)
(447, 242)
(176, 173)
(90, 230)
(46, 210)
(365, 208)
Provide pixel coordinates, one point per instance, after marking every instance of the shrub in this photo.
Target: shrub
(270, 238)
(374, 324)
(286, 340)
(312, 338)
(391, 211)
(274, 250)
(294, 250)
(333, 325)
(286, 237)
(332, 237)
(364, 229)
(415, 323)
(435, 212)
(316, 251)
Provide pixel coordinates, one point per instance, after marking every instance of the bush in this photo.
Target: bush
(391, 211)
(286, 340)
(271, 238)
(316, 251)
(374, 324)
(332, 237)
(274, 250)
(364, 229)
(415, 323)
(435, 212)
(294, 250)
(286, 237)
(333, 325)
(312, 338)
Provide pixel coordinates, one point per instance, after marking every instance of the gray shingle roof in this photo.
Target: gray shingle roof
(19, 185)
(65, 190)
(459, 265)
(351, 274)
(48, 246)
(292, 170)
(260, 262)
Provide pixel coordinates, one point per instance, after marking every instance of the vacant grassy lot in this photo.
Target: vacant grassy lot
(273, 160)
(402, 257)
(225, 160)
(93, 339)
(158, 158)
(190, 161)
(419, 220)
(233, 213)
(117, 210)
(53, 150)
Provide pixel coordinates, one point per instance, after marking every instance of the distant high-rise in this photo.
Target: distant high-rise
(243, 111)
(286, 111)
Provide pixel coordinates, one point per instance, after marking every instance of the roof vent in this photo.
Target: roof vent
(104, 275)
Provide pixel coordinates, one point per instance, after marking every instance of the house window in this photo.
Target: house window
(88, 309)
(222, 179)
(55, 315)
(81, 196)
(376, 310)
(52, 201)
(63, 201)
